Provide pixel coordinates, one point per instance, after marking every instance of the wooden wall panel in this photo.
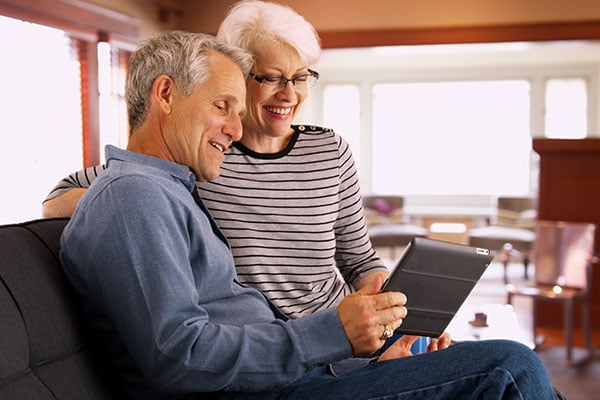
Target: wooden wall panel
(569, 190)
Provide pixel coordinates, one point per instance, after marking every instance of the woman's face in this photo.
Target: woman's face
(272, 108)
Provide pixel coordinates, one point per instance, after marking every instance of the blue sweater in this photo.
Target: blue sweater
(159, 287)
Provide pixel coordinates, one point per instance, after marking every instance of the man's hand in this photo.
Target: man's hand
(366, 314)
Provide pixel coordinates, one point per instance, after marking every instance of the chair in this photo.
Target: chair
(563, 259)
(511, 233)
(388, 226)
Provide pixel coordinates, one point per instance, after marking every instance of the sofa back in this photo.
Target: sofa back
(44, 349)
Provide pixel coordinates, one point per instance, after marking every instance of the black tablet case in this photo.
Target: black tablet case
(436, 277)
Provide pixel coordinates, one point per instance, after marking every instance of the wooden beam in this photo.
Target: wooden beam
(73, 15)
(582, 30)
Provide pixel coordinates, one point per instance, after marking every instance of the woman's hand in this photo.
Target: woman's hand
(401, 347)
(367, 279)
(439, 343)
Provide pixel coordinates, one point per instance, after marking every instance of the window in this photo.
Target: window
(50, 111)
(41, 118)
(566, 108)
(450, 137)
(112, 71)
(341, 111)
(453, 124)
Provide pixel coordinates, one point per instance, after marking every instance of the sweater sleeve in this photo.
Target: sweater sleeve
(79, 179)
(355, 256)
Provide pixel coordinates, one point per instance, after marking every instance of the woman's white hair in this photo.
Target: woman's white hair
(249, 23)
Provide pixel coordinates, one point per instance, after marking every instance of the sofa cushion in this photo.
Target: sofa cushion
(44, 347)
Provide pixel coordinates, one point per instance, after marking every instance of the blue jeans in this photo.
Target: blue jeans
(489, 369)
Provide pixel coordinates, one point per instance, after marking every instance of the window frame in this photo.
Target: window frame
(536, 74)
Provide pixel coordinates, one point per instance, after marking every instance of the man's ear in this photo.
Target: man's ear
(162, 91)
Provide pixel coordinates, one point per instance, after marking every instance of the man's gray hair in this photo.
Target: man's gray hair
(181, 55)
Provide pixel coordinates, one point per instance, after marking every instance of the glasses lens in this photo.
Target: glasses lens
(311, 80)
(274, 83)
(270, 83)
(304, 82)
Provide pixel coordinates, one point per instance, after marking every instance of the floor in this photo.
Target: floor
(582, 383)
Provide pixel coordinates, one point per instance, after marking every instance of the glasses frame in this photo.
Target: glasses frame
(282, 82)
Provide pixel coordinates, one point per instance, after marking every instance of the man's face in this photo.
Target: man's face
(205, 123)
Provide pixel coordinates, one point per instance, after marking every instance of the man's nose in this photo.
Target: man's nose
(234, 129)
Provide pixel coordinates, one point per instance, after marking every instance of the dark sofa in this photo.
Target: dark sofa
(44, 348)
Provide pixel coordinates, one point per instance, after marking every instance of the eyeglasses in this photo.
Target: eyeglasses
(271, 83)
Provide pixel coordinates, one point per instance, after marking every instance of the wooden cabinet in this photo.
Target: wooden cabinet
(569, 190)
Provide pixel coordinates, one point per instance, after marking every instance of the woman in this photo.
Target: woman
(288, 198)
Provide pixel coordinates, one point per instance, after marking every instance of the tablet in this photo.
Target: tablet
(436, 277)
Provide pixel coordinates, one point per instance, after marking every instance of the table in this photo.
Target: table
(449, 223)
(502, 324)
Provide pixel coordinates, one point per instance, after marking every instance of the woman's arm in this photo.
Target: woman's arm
(63, 198)
(62, 205)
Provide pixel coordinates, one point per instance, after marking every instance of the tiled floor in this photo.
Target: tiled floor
(581, 383)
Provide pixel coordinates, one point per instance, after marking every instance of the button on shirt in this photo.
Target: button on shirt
(158, 285)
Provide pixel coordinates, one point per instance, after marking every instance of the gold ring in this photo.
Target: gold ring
(387, 333)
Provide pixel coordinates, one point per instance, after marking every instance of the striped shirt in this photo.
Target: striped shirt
(294, 219)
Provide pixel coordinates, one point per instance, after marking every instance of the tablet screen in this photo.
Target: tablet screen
(436, 278)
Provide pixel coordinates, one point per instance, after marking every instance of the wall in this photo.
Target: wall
(345, 15)
(149, 13)
(340, 15)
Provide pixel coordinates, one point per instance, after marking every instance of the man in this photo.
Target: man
(158, 284)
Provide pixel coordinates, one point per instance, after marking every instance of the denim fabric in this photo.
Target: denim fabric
(494, 369)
